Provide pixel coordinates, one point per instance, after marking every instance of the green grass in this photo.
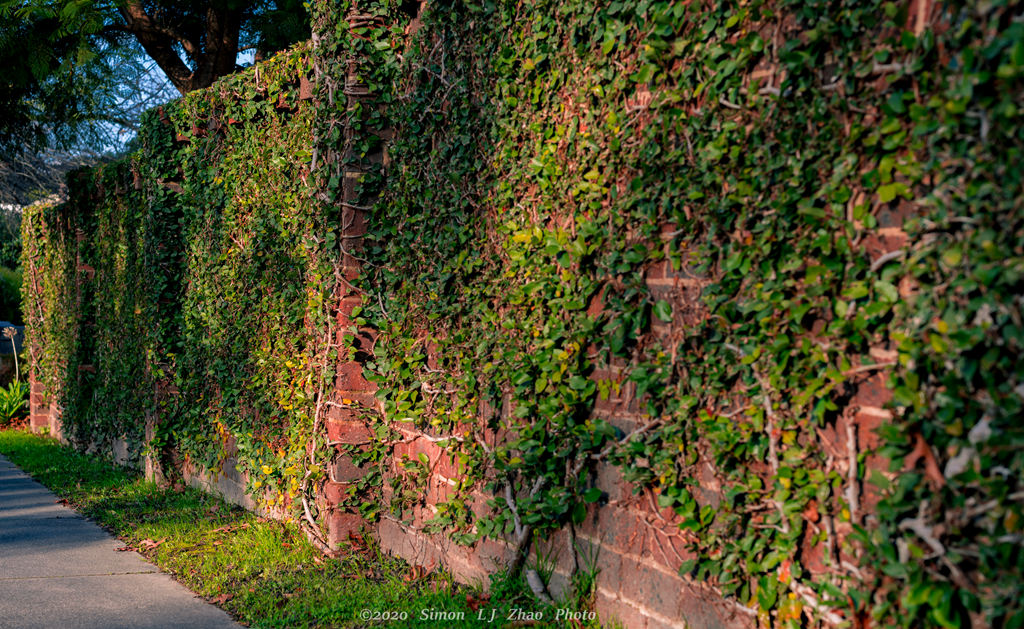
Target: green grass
(263, 572)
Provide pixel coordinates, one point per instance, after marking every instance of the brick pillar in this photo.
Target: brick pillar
(38, 406)
(353, 397)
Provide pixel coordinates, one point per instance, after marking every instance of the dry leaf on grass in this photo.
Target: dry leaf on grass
(415, 573)
(150, 544)
(476, 602)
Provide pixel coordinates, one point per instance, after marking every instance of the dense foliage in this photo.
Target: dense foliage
(696, 210)
(181, 292)
(550, 158)
(77, 74)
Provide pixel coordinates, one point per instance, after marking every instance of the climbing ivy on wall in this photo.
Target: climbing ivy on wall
(551, 158)
(185, 289)
(693, 210)
(256, 278)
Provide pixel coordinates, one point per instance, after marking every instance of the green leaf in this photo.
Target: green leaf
(663, 310)
(890, 191)
(887, 291)
(579, 513)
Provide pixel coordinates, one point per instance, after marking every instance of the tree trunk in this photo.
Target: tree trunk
(214, 56)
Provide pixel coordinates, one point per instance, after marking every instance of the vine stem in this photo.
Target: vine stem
(524, 532)
(812, 601)
(621, 442)
(773, 448)
(851, 474)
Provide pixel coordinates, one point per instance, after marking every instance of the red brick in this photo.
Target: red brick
(356, 398)
(438, 491)
(364, 341)
(812, 554)
(890, 216)
(703, 609)
(353, 222)
(493, 555)
(618, 405)
(658, 271)
(387, 492)
(907, 287)
(872, 391)
(614, 526)
(345, 307)
(709, 489)
(478, 504)
(348, 186)
(345, 471)
(433, 359)
(447, 466)
(348, 432)
(350, 268)
(345, 413)
(604, 561)
(305, 88)
(655, 623)
(665, 594)
(350, 377)
(609, 480)
(424, 446)
(867, 425)
(596, 305)
(670, 548)
(340, 525)
(613, 611)
(334, 493)
(399, 451)
(880, 242)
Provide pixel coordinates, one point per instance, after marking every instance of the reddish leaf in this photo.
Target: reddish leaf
(475, 602)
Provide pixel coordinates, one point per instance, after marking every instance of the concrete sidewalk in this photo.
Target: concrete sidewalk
(58, 569)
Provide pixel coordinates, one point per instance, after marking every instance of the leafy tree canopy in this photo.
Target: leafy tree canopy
(68, 63)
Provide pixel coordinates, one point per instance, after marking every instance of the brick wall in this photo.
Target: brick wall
(635, 547)
(44, 414)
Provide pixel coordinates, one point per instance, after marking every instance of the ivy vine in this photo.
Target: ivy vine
(666, 237)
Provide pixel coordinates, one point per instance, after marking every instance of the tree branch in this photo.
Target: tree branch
(158, 42)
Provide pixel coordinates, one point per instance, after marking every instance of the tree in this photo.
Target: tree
(194, 42)
(62, 62)
(75, 75)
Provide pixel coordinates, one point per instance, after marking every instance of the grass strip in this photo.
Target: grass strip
(263, 572)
